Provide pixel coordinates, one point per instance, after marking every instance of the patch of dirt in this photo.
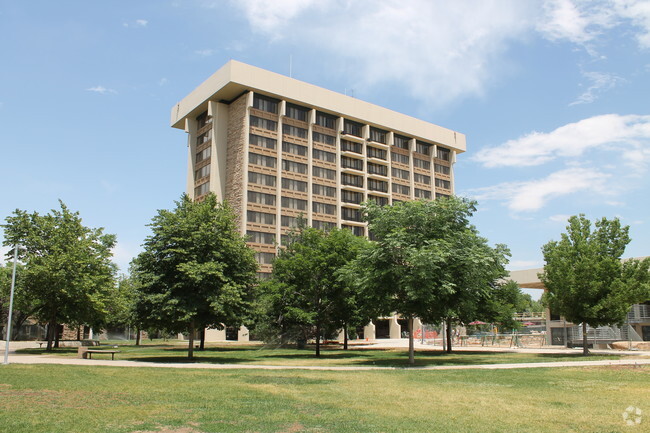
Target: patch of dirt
(294, 428)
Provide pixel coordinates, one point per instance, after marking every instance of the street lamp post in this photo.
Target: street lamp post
(11, 306)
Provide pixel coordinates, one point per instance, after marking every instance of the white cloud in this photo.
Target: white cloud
(136, 23)
(559, 218)
(439, 51)
(205, 53)
(600, 82)
(630, 133)
(526, 196)
(163, 81)
(638, 12)
(101, 90)
(123, 253)
(615, 203)
(563, 19)
(524, 264)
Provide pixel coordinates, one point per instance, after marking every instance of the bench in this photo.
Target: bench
(85, 353)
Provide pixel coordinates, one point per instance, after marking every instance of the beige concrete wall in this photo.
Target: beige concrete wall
(236, 158)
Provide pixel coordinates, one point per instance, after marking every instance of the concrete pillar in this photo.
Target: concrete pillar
(369, 331)
(395, 328)
(242, 334)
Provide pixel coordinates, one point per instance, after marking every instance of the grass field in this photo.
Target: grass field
(55, 398)
(167, 352)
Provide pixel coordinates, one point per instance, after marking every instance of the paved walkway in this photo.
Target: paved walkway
(52, 359)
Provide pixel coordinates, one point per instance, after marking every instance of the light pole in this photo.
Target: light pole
(11, 306)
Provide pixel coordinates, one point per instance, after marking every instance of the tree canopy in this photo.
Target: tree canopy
(196, 270)
(586, 280)
(305, 298)
(427, 261)
(67, 274)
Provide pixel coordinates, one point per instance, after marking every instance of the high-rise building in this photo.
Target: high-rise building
(275, 148)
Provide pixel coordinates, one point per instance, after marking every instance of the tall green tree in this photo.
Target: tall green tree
(585, 279)
(505, 300)
(67, 273)
(427, 261)
(196, 270)
(305, 298)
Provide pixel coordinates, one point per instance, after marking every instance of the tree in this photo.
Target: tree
(585, 279)
(427, 261)
(305, 298)
(68, 273)
(196, 270)
(506, 299)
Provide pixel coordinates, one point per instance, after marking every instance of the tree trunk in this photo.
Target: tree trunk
(202, 344)
(56, 335)
(190, 350)
(318, 340)
(50, 336)
(585, 347)
(137, 336)
(411, 343)
(78, 333)
(345, 337)
(449, 335)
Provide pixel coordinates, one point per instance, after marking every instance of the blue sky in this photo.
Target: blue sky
(553, 96)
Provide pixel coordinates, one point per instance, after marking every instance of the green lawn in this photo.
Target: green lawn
(55, 398)
(168, 352)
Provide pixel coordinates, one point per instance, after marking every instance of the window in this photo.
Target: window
(202, 120)
(204, 188)
(401, 189)
(322, 225)
(377, 185)
(324, 138)
(202, 172)
(297, 112)
(328, 191)
(422, 193)
(351, 179)
(264, 258)
(422, 178)
(356, 230)
(294, 130)
(442, 169)
(267, 124)
(377, 169)
(441, 183)
(204, 154)
(261, 179)
(324, 156)
(422, 163)
(440, 195)
(203, 138)
(398, 157)
(295, 149)
(258, 140)
(423, 148)
(325, 120)
(263, 160)
(294, 185)
(376, 153)
(265, 103)
(261, 198)
(329, 209)
(377, 135)
(294, 167)
(350, 214)
(289, 221)
(352, 128)
(260, 237)
(350, 146)
(401, 141)
(260, 217)
(294, 203)
(347, 162)
(263, 276)
(324, 173)
(401, 174)
(351, 196)
(442, 153)
(381, 201)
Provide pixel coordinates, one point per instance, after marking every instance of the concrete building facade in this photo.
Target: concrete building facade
(276, 148)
